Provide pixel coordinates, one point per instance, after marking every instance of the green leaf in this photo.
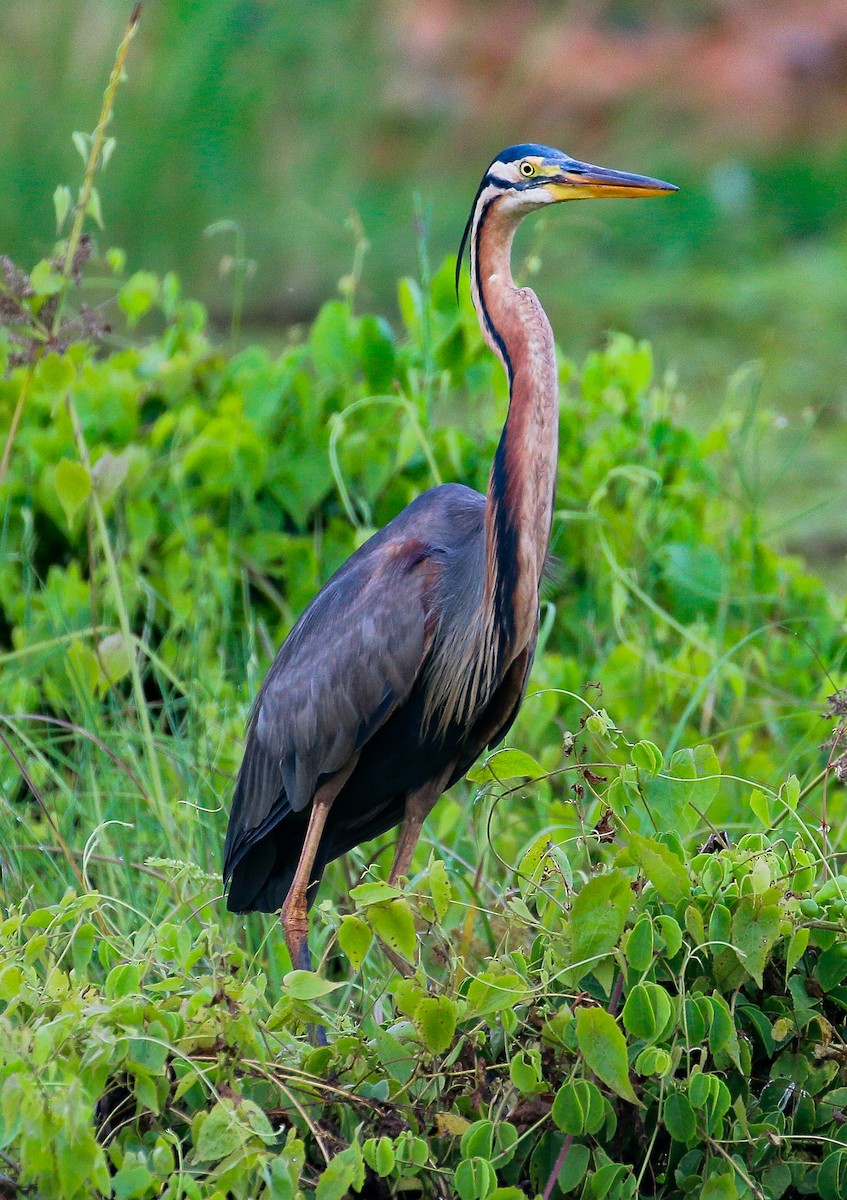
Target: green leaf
(525, 1072)
(107, 151)
(755, 928)
(306, 985)
(410, 303)
(720, 1187)
(73, 487)
(62, 201)
(220, 1134)
(662, 867)
(490, 992)
(653, 1060)
(700, 1088)
(109, 473)
(647, 757)
(603, 1047)
(760, 807)
(138, 295)
(579, 1108)
(601, 1182)
(331, 339)
(680, 1120)
(376, 351)
(132, 1181)
(474, 1179)
(640, 944)
(790, 792)
(44, 280)
(11, 979)
(394, 924)
(343, 1173)
(56, 373)
(83, 946)
(832, 1176)
(797, 947)
(832, 966)
(478, 1140)
(694, 925)
(82, 144)
(722, 1034)
(146, 1093)
(115, 656)
(379, 1155)
(399, 1060)
(671, 934)
(439, 888)
(354, 938)
(648, 1011)
(407, 993)
(574, 1167)
(504, 765)
(506, 1141)
(598, 916)
(671, 797)
(435, 1022)
(123, 980)
(93, 208)
(373, 893)
(720, 926)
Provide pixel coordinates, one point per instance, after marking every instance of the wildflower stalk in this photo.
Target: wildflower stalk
(80, 210)
(95, 154)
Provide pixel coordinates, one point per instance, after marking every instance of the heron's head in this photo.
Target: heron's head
(530, 176)
(523, 178)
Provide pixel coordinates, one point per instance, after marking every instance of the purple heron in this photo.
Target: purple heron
(414, 657)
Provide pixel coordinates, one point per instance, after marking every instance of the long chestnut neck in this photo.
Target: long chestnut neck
(522, 483)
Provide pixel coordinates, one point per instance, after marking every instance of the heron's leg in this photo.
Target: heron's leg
(418, 807)
(295, 910)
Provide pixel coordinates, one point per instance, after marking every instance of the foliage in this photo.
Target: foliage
(621, 970)
(646, 1021)
(668, 1017)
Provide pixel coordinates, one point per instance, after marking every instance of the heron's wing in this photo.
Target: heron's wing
(352, 658)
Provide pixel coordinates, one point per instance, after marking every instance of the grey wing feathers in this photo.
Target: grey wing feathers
(354, 655)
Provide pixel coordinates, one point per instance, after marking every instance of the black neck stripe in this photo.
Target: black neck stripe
(486, 316)
(505, 531)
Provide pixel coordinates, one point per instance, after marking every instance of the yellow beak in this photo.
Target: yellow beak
(582, 181)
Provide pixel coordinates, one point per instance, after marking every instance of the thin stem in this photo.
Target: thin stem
(82, 204)
(560, 1162)
(123, 615)
(16, 420)
(614, 1001)
(94, 156)
(39, 799)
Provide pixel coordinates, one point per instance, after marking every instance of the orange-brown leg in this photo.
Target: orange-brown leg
(295, 910)
(418, 807)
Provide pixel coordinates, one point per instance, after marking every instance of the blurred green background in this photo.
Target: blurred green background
(306, 123)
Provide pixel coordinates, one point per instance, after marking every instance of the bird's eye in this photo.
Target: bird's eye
(526, 169)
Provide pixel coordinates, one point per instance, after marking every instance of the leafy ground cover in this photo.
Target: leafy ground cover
(625, 939)
(625, 968)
